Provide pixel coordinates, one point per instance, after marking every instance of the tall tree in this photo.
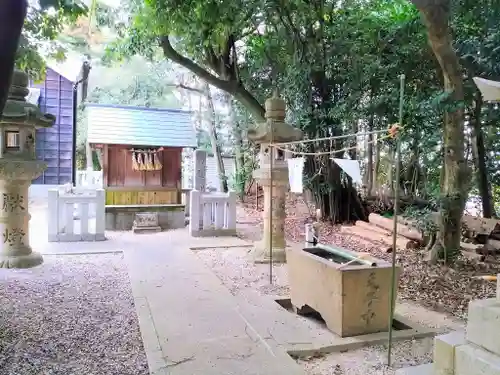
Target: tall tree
(436, 16)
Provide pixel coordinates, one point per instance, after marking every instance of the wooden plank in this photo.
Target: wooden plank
(134, 197)
(151, 197)
(127, 198)
(105, 168)
(110, 197)
(142, 197)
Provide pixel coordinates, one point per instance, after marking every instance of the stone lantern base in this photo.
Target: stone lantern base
(31, 259)
(262, 254)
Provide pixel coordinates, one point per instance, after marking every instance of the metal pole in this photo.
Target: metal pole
(392, 299)
(271, 161)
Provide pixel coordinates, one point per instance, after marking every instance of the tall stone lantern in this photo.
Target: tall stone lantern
(273, 130)
(18, 167)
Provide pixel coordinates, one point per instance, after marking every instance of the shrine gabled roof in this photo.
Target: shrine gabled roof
(139, 126)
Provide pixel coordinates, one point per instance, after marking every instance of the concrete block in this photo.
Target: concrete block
(473, 360)
(444, 352)
(416, 370)
(483, 326)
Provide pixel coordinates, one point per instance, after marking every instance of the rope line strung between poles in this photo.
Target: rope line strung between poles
(393, 131)
(332, 138)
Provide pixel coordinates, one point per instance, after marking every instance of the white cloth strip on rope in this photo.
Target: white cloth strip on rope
(351, 167)
(295, 171)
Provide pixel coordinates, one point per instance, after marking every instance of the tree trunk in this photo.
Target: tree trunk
(88, 156)
(12, 17)
(478, 154)
(212, 130)
(369, 150)
(238, 145)
(436, 18)
(376, 166)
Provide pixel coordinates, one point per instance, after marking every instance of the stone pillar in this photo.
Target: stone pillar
(16, 251)
(200, 170)
(274, 224)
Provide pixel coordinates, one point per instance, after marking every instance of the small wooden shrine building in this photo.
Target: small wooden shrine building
(141, 152)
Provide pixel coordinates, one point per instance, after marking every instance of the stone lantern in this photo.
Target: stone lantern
(18, 167)
(273, 130)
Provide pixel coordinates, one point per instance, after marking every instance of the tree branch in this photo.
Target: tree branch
(187, 88)
(233, 87)
(172, 54)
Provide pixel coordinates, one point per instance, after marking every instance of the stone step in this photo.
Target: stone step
(416, 370)
(483, 326)
(474, 360)
(146, 230)
(444, 352)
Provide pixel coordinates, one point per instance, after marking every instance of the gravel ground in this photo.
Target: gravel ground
(444, 289)
(238, 273)
(74, 315)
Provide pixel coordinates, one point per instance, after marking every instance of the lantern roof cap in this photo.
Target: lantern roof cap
(18, 111)
(275, 129)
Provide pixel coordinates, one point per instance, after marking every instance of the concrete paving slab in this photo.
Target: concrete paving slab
(289, 330)
(185, 311)
(302, 337)
(426, 369)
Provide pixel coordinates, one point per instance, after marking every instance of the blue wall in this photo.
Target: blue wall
(55, 145)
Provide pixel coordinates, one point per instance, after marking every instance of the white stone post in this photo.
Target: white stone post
(194, 212)
(200, 170)
(311, 236)
(16, 251)
(231, 211)
(54, 215)
(100, 213)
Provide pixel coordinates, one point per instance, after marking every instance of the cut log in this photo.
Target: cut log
(388, 224)
(471, 247)
(495, 244)
(370, 235)
(371, 227)
(473, 256)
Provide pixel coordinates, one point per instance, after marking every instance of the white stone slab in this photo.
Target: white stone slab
(483, 327)
(444, 352)
(473, 360)
(416, 370)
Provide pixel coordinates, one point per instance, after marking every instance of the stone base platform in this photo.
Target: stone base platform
(426, 369)
(474, 353)
(261, 254)
(121, 217)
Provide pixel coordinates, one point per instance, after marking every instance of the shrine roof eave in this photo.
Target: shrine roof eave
(490, 90)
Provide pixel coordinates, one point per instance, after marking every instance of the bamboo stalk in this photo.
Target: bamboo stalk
(392, 299)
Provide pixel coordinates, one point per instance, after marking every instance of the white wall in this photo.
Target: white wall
(213, 177)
